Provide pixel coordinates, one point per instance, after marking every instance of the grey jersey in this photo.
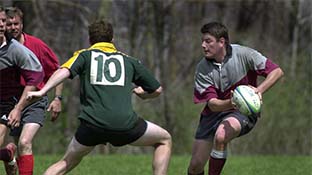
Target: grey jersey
(17, 61)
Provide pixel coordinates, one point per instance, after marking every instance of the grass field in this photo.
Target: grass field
(141, 165)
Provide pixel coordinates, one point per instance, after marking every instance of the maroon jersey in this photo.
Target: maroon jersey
(46, 56)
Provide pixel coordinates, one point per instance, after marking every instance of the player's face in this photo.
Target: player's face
(15, 26)
(2, 25)
(211, 47)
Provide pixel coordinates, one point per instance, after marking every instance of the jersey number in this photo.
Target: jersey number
(107, 70)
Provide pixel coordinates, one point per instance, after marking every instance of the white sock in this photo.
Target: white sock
(12, 162)
(218, 154)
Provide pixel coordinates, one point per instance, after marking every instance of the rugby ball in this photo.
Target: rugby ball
(246, 100)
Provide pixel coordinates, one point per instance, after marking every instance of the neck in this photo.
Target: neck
(221, 56)
(21, 39)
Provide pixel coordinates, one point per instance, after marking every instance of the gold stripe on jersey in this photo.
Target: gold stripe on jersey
(103, 46)
(70, 62)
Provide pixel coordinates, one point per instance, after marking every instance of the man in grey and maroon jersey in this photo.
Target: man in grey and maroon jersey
(224, 67)
(15, 61)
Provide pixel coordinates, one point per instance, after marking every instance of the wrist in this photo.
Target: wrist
(58, 97)
(18, 107)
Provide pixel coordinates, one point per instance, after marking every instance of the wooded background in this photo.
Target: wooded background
(165, 36)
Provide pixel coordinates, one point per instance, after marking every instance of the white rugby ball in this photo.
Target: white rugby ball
(246, 100)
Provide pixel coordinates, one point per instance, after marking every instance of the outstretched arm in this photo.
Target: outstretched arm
(58, 76)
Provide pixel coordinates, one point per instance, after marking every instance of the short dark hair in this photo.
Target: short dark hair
(100, 31)
(217, 30)
(11, 12)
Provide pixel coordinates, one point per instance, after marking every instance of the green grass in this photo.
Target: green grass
(141, 165)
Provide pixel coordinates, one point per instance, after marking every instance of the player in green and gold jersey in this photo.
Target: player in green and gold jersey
(107, 79)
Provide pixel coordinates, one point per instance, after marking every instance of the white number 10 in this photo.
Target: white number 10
(107, 70)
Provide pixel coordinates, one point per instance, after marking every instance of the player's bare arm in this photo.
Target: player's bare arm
(217, 105)
(139, 91)
(15, 115)
(270, 80)
(58, 76)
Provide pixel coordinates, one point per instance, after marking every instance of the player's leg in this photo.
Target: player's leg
(3, 132)
(5, 109)
(228, 129)
(160, 139)
(200, 155)
(10, 166)
(203, 143)
(24, 142)
(31, 121)
(74, 154)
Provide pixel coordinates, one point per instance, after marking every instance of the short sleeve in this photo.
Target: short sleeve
(30, 67)
(75, 64)
(204, 89)
(144, 78)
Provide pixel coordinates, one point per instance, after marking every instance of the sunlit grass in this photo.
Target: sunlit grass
(141, 165)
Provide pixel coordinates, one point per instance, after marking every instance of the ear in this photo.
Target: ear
(222, 41)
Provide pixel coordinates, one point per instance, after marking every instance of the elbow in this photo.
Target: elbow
(213, 106)
(281, 73)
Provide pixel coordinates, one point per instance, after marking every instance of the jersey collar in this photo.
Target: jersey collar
(104, 46)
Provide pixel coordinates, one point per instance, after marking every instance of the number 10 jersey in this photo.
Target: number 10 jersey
(106, 83)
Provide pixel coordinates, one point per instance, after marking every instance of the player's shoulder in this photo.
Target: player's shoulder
(33, 39)
(81, 51)
(15, 46)
(129, 58)
(240, 49)
(204, 64)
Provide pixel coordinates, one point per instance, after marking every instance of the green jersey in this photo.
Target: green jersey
(106, 82)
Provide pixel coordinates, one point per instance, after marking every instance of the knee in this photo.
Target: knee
(219, 138)
(24, 145)
(165, 139)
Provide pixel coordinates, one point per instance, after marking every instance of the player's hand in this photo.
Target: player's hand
(14, 118)
(257, 92)
(33, 95)
(232, 101)
(138, 90)
(55, 108)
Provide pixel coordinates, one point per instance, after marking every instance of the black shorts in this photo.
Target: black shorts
(208, 125)
(90, 135)
(5, 109)
(34, 113)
